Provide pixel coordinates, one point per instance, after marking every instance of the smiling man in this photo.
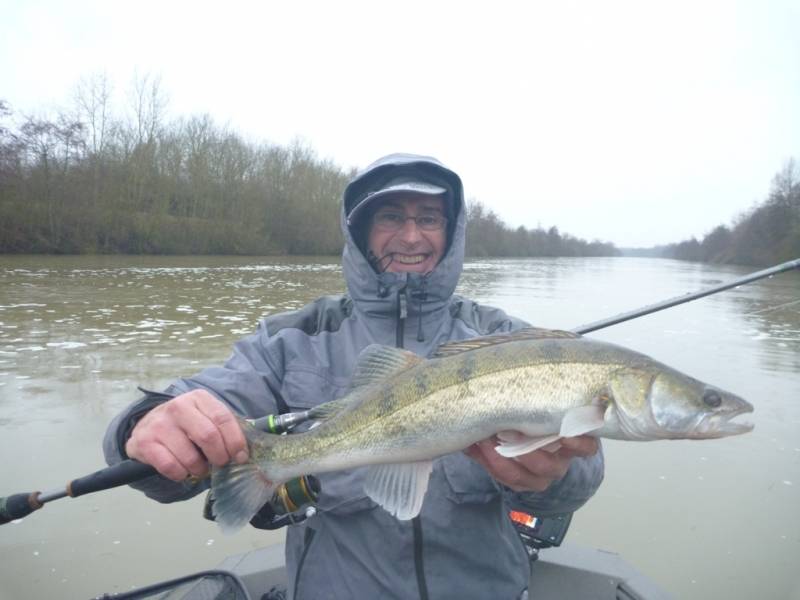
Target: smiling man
(407, 233)
(404, 222)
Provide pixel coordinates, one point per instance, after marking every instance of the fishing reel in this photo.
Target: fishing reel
(293, 502)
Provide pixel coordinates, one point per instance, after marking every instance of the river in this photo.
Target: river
(710, 519)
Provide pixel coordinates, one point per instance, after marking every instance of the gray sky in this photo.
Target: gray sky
(636, 122)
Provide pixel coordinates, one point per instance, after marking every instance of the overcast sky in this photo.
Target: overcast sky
(635, 122)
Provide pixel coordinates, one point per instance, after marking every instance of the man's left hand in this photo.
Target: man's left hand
(535, 471)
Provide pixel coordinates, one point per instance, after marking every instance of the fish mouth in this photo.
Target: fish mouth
(717, 426)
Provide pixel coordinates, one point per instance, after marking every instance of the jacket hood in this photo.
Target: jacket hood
(373, 291)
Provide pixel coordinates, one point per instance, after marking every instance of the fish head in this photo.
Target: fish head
(661, 403)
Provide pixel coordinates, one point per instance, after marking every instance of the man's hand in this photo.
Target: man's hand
(182, 436)
(535, 471)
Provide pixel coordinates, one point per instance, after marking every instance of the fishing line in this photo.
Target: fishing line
(765, 310)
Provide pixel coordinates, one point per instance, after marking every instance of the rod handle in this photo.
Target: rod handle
(116, 475)
(18, 506)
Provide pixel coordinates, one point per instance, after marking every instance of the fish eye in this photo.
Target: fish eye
(712, 398)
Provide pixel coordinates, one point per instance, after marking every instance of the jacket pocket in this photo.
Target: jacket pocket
(468, 482)
(343, 492)
(304, 388)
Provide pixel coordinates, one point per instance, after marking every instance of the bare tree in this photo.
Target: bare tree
(92, 97)
(9, 146)
(149, 103)
(93, 100)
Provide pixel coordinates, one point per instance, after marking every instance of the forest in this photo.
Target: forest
(768, 233)
(88, 181)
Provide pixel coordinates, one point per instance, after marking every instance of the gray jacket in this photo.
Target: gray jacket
(463, 544)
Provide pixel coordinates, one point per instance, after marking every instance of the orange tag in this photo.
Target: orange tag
(522, 518)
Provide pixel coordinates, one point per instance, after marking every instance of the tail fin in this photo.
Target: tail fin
(239, 491)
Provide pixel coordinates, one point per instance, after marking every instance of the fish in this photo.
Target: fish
(528, 388)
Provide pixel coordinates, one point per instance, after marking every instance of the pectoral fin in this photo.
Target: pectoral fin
(399, 488)
(577, 421)
(522, 444)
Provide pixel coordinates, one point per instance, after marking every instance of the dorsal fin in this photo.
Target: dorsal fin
(327, 410)
(378, 363)
(529, 333)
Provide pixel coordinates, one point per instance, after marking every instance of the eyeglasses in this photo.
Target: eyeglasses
(395, 221)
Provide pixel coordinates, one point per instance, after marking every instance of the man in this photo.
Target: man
(404, 223)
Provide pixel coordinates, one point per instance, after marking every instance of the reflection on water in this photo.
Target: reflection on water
(78, 334)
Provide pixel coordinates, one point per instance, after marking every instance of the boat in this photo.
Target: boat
(557, 571)
(568, 571)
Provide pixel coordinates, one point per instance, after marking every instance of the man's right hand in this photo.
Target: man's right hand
(182, 436)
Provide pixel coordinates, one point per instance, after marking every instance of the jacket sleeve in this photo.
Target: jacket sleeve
(249, 383)
(576, 487)
(565, 495)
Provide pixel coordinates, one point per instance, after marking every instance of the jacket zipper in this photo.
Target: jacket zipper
(402, 313)
(419, 563)
(308, 537)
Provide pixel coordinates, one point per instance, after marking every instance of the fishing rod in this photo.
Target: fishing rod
(293, 493)
(128, 471)
(688, 297)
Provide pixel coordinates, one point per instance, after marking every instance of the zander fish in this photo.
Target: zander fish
(530, 388)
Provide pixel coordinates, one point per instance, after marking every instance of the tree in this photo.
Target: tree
(92, 181)
(769, 232)
(93, 98)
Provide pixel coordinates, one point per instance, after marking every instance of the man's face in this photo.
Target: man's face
(409, 249)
